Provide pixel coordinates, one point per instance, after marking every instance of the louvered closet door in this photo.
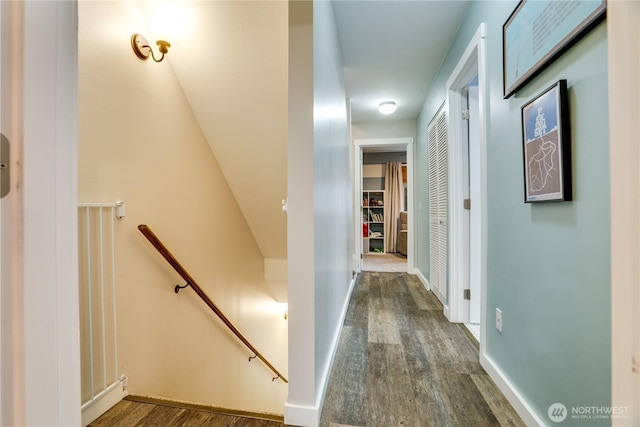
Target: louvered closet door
(437, 151)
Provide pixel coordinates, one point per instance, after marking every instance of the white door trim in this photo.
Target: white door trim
(473, 60)
(11, 344)
(50, 284)
(382, 142)
(624, 109)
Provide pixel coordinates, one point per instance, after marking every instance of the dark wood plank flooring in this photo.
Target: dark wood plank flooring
(128, 413)
(399, 363)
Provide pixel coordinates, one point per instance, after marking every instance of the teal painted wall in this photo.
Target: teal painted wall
(548, 265)
(332, 192)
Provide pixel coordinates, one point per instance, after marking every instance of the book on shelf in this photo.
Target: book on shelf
(376, 217)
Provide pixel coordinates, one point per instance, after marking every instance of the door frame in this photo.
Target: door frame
(359, 144)
(622, 27)
(472, 61)
(43, 284)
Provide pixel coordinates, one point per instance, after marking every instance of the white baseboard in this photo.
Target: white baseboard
(91, 411)
(309, 416)
(423, 279)
(447, 312)
(528, 415)
(298, 415)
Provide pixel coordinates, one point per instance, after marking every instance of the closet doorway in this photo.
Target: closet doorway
(384, 192)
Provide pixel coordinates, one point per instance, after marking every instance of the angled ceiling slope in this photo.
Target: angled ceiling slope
(232, 65)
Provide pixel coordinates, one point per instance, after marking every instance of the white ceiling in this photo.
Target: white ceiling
(392, 51)
(231, 59)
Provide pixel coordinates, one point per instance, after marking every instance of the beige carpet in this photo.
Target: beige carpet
(384, 262)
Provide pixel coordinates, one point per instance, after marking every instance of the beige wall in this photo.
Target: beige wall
(139, 142)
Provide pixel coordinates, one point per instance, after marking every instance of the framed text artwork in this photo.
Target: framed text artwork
(547, 146)
(537, 32)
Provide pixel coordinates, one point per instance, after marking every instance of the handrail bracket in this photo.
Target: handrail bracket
(178, 287)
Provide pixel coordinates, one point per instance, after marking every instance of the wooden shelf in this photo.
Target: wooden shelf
(373, 221)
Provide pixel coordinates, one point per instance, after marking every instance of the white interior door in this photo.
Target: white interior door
(475, 218)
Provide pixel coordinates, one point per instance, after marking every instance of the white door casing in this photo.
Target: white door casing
(472, 62)
(12, 367)
(406, 143)
(40, 377)
(624, 109)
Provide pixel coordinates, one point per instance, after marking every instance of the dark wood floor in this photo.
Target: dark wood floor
(128, 413)
(399, 363)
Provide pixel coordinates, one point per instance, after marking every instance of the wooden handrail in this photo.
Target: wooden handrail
(144, 229)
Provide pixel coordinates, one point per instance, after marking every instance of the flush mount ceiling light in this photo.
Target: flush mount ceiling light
(142, 49)
(387, 107)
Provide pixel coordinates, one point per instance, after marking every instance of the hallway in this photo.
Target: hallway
(417, 370)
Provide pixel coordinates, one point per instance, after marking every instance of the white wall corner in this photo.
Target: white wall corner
(276, 275)
(309, 416)
(526, 412)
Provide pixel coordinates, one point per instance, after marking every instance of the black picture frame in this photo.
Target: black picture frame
(546, 146)
(536, 33)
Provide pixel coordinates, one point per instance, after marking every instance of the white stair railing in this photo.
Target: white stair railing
(102, 385)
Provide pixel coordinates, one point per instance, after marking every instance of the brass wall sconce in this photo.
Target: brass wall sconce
(142, 49)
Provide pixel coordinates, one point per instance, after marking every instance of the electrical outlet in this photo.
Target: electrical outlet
(499, 320)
